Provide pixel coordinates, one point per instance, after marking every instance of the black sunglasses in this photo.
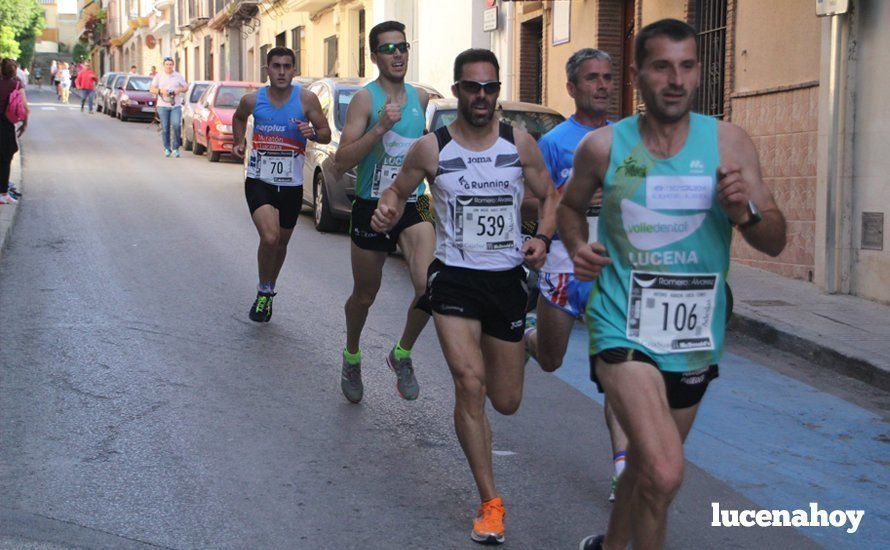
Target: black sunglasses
(389, 49)
(473, 86)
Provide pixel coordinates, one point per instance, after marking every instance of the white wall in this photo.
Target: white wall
(444, 30)
(871, 163)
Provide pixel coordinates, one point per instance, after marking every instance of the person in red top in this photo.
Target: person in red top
(86, 83)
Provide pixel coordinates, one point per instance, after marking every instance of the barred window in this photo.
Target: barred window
(711, 27)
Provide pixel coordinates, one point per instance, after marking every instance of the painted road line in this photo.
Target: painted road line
(781, 443)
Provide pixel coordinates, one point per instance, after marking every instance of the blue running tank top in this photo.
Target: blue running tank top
(668, 238)
(379, 168)
(278, 150)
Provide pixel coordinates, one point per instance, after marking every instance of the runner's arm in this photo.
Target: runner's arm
(153, 89)
(588, 171)
(739, 180)
(239, 123)
(538, 181)
(313, 112)
(421, 162)
(355, 141)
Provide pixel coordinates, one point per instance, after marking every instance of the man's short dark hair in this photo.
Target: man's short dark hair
(674, 29)
(279, 51)
(475, 55)
(380, 28)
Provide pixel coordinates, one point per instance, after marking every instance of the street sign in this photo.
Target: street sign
(490, 19)
(831, 7)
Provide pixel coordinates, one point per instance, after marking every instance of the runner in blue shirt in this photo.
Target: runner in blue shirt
(563, 298)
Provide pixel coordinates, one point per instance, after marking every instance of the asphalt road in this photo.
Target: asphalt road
(139, 407)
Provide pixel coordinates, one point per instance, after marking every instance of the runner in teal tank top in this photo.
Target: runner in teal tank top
(663, 223)
(382, 122)
(674, 183)
(378, 169)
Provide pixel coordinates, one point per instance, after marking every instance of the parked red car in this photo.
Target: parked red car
(212, 122)
(135, 100)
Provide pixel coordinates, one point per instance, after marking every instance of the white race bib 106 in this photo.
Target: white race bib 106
(484, 223)
(276, 166)
(672, 312)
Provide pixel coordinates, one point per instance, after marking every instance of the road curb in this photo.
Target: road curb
(8, 212)
(812, 350)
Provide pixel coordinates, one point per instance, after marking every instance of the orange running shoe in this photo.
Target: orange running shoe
(488, 527)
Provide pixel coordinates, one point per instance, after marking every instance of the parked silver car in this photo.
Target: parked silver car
(101, 88)
(329, 195)
(192, 95)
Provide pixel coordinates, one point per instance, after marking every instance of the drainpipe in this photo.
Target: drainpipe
(839, 211)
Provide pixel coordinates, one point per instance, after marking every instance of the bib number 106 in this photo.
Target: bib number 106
(682, 318)
(490, 226)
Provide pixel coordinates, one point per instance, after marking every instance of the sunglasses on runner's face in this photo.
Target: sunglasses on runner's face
(389, 49)
(473, 86)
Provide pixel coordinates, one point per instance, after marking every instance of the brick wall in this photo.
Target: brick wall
(609, 38)
(783, 125)
(530, 69)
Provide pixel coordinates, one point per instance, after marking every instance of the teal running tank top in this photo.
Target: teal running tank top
(668, 238)
(378, 170)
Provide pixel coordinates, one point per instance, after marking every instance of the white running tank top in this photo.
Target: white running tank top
(477, 197)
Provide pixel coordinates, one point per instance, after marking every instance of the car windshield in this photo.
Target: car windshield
(140, 84)
(228, 97)
(344, 96)
(536, 124)
(119, 81)
(197, 90)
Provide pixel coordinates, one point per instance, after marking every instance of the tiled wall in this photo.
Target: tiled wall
(783, 126)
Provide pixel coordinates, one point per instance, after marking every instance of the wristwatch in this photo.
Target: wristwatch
(754, 216)
(547, 240)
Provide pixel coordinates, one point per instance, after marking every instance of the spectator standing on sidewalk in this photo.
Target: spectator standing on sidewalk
(8, 133)
(169, 86)
(86, 83)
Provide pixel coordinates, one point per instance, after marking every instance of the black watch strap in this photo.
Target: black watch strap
(547, 240)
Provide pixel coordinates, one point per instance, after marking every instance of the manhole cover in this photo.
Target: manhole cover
(766, 303)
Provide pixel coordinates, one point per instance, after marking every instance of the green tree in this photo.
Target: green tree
(24, 18)
(9, 47)
(81, 51)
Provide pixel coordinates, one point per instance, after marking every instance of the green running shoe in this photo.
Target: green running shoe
(406, 383)
(351, 381)
(261, 311)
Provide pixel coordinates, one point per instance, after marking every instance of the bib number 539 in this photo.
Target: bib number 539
(490, 226)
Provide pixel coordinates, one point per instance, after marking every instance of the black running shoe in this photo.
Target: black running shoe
(261, 311)
(593, 542)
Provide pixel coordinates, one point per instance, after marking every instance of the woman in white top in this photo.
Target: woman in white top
(65, 82)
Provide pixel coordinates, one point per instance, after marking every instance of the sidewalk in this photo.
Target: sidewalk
(843, 333)
(8, 211)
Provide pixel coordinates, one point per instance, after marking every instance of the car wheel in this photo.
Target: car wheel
(198, 149)
(324, 220)
(123, 117)
(186, 143)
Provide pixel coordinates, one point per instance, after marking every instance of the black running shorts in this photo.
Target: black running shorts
(288, 200)
(684, 389)
(366, 238)
(496, 298)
